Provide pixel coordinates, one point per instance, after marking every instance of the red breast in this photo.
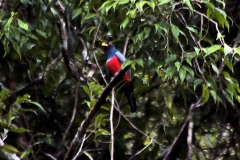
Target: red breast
(113, 65)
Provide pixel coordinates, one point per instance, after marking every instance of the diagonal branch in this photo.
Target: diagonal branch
(85, 124)
(189, 116)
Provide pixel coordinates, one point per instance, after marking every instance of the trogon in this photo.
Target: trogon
(113, 64)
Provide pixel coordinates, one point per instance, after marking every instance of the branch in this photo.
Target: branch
(189, 116)
(112, 129)
(85, 124)
(64, 39)
(126, 43)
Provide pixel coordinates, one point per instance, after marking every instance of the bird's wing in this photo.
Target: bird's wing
(120, 56)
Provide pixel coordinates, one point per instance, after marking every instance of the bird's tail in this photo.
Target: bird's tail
(130, 96)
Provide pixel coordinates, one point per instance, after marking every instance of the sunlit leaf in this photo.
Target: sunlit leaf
(211, 49)
(164, 2)
(26, 153)
(127, 63)
(177, 64)
(39, 105)
(9, 149)
(23, 25)
(182, 74)
(227, 49)
(214, 67)
(214, 95)
(86, 90)
(124, 24)
(18, 130)
(123, 2)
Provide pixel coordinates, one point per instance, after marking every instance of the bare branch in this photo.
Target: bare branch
(112, 128)
(126, 43)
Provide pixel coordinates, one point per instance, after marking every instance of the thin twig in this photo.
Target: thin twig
(140, 131)
(80, 149)
(74, 111)
(95, 57)
(112, 128)
(126, 43)
(142, 149)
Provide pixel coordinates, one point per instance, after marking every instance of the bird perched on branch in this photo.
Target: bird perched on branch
(113, 63)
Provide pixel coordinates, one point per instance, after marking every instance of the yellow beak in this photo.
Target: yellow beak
(104, 44)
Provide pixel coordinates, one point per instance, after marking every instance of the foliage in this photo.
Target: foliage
(53, 72)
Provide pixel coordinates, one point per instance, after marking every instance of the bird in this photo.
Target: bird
(113, 64)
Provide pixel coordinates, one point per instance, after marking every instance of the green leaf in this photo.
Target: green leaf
(17, 49)
(100, 120)
(123, 2)
(140, 5)
(189, 70)
(227, 77)
(26, 153)
(205, 93)
(23, 25)
(101, 132)
(87, 91)
(9, 149)
(88, 16)
(124, 24)
(76, 12)
(18, 130)
(170, 58)
(219, 35)
(43, 34)
(113, 5)
(151, 4)
(227, 50)
(214, 67)
(170, 72)
(177, 65)
(211, 49)
(24, 1)
(175, 32)
(38, 104)
(139, 61)
(214, 95)
(9, 118)
(164, 2)
(104, 5)
(15, 33)
(188, 3)
(229, 64)
(182, 74)
(127, 63)
(168, 101)
(3, 94)
(228, 97)
(211, 83)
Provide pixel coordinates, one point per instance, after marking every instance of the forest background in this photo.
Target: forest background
(57, 100)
